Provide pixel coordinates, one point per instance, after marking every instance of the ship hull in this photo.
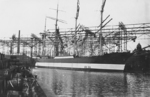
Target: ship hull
(83, 66)
(107, 62)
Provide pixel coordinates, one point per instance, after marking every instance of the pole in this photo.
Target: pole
(75, 40)
(18, 50)
(101, 25)
(56, 37)
(75, 44)
(31, 47)
(100, 35)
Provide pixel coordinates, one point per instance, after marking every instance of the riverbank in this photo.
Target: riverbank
(4, 88)
(16, 78)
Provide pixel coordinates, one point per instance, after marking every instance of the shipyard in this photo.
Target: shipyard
(79, 48)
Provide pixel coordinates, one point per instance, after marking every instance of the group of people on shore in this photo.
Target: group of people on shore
(20, 82)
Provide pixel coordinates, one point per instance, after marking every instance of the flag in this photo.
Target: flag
(103, 4)
(78, 8)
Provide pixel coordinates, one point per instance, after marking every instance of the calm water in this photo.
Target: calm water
(68, 83)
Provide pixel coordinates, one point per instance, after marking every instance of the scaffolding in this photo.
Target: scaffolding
(115, 39)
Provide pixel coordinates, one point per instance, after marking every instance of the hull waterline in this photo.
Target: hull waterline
(83, 66)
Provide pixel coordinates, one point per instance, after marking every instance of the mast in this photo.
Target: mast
(56, 37)
(56, 40)
(101, 25)
(76, 18)
(56, 17)
(43, 39)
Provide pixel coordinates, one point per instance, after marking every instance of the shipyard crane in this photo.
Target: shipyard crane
(81, 41)
(123, 28)
(87, 33)
(118, 38)
(115, 37)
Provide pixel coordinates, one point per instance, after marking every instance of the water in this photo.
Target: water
(69, 83)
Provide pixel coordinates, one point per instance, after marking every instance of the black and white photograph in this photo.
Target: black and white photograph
(74, 48)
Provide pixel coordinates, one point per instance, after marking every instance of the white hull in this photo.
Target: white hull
(119, 67)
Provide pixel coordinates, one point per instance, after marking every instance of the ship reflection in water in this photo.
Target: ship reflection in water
(69, 83)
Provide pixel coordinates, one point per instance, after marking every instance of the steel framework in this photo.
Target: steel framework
(114, 39)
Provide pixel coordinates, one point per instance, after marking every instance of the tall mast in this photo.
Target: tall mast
(76, 18)
(56, 17)
(56, 44)
(56, 37)
(101, 24)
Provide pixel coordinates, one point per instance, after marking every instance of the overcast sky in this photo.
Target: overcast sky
(29, 15)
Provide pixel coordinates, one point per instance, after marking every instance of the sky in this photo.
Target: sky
(29, 15)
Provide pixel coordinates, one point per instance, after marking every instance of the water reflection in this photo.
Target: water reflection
(93, 84)
(138, 85)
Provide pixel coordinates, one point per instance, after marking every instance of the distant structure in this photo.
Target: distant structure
(115, 39)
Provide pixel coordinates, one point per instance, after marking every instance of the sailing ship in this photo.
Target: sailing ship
(102, 62)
